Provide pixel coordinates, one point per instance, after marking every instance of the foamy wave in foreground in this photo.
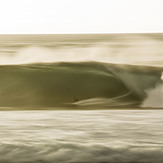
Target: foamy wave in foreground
(76, 153)
(81, 136)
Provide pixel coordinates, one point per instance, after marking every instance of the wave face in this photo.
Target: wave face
(76, 85)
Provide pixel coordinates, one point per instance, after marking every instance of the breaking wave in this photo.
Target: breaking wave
(77, 85)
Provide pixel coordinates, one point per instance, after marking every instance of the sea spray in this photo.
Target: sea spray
(154, 96)
(119, 50)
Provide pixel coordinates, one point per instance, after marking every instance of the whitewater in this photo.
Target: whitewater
(81, 136)
(81, 98)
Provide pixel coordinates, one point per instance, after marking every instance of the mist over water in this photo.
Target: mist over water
(124, 49)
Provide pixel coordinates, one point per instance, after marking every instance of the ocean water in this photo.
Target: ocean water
(81, 98)
(103, 136)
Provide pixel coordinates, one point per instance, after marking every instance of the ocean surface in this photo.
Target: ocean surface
(103, 136)
(81, 98)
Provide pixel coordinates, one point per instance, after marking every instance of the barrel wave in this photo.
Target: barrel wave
(76, 85)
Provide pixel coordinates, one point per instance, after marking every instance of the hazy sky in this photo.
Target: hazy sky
(80, 16)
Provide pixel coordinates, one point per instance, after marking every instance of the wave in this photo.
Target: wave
(76, 85)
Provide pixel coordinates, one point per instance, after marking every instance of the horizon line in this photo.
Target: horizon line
(80, 33)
